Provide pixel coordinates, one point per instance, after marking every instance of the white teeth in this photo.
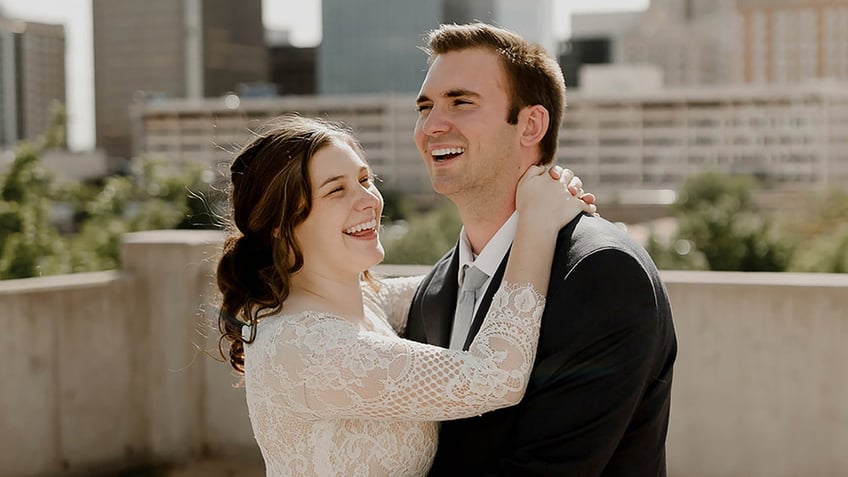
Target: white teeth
(371, 224)
(447, 150)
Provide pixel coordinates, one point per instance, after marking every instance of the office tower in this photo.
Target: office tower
(371, 46)
(596, 38)
(790, 135)
(747, 41)
(169, 48)
(789, 41)
(463, 11)
(32, 78)
(532, 19)
(291, 68)
(693, 42)
(692, 10)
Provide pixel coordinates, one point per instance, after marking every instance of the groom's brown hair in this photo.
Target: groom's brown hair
(534, 76)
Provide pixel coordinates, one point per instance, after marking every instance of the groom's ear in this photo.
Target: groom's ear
(534, 121)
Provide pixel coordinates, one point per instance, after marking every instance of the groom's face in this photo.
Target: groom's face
(462, 133)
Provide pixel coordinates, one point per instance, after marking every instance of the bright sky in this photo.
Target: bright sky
(301, 17)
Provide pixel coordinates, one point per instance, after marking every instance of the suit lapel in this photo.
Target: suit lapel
(439, 302)
(486, 302)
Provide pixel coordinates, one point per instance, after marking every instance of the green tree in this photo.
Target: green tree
(155, 195)
(29, 244)
(54, 137)
(679, 255)
(719, 224)
(826, 253)
(397, 205)
(822, 232)
(426, 237)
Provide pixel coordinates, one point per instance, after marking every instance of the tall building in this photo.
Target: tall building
(711, 42)
(372, 46)
(210, 130)
(291, 68)
(596, 39)
(690, 10)
(694, 42)
(32, 78)
(787, 41)
(463, 11)
(532, 19)
(170, 48)
(793, 136)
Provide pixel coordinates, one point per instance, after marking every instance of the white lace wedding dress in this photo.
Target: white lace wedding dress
(331, 397)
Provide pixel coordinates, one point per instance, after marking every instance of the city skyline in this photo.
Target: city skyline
(304, 27)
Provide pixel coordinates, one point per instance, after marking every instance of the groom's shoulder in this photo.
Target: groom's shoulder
(444, 262)
(588, 234)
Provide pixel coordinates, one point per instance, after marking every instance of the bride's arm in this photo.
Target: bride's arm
(392, 297)
(329, 368)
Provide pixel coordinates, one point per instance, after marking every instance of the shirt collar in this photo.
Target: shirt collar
(492, 254)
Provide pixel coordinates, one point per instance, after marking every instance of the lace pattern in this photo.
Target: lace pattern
(393, 298)
(329, 396)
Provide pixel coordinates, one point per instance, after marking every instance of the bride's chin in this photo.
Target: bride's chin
(377, 258)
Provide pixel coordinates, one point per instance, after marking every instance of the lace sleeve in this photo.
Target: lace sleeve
(393, 297)
(329, 368)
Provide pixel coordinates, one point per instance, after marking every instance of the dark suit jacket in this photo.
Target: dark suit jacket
(597, 403)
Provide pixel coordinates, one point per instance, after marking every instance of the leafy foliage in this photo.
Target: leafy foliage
(396, 205)
(822, 233)
(424, 238)
(29, 244)
(154, 196)
(721, 229)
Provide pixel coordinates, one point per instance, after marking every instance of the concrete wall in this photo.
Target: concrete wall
(71, 382)
(116, 368)
(761, 384)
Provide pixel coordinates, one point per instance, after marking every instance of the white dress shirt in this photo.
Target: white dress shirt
(488, 260)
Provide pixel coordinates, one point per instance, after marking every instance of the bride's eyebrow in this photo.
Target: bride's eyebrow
(363, 169)
(331, 179)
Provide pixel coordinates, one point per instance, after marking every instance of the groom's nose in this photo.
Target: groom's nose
(435, 122)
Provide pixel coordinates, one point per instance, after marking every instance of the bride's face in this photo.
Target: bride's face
(341, 232)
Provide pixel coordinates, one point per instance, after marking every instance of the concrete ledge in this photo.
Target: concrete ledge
(174, 237)
(60, 282)
(401, 270)
(828, 280)
(109, 367)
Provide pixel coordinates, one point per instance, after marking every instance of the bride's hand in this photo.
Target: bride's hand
(543, 197)
(575, 186)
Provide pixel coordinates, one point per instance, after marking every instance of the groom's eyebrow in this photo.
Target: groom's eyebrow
(451, 93)
(459, 92)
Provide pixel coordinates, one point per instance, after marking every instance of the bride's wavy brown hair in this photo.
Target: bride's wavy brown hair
(270, 195)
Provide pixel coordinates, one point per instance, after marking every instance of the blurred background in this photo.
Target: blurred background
(714, 131)
(133, 111)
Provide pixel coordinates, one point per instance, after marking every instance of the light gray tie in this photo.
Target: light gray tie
(473, 279)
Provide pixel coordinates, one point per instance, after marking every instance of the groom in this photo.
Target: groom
(598, 399)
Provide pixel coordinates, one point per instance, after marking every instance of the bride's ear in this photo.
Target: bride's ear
(534, 121)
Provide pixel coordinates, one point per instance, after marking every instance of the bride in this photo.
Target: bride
(331, 387)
